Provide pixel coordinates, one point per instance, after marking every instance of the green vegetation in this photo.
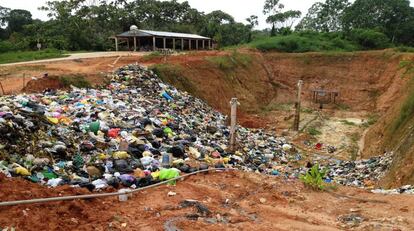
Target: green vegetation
(407, 110)
(408, 66)
(173, 74)
(21, 56)
(372, 119)
(75, 80)
(231, 62)
(314, 178)
(278, 107)
(342, 106)
(152, 55)
(304, 42)
(349, 123)
(330, 25)
(313, 131)
(404, 49)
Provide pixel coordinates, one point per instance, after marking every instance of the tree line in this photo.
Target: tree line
(87, 24)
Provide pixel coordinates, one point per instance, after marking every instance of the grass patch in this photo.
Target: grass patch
(173, 74)
(21, 56)
(278, 107)
(349, 123)
(231, 62)
(371, 120)
(408, 66)
(407, 110)
(343, 107)
(404, 49)
(307, 110)
(313, 131)
(151, 56)
(75, 80)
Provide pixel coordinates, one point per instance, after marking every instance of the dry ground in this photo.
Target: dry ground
(237, 201)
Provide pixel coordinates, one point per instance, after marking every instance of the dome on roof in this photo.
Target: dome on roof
(133, 27)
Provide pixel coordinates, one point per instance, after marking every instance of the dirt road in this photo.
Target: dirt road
(74, 56)
(230, 201)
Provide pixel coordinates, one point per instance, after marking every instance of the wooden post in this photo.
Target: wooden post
(197, 44)
(297, 105)
(2, 89)
(233, 123)
(154, 47)
(116, 43)
(209, 44)
(135, 43)
(189, 44)
(182, 44)
(204, 44)
(165, 43)
(173, 43)
(129, 48)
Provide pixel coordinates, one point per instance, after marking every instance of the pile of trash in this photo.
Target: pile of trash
(360, 173)
(406, 189)
(138, 131)
(125, 133)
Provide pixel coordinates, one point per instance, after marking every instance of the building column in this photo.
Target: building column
(128, 44)
(165, 43)
(135, 43)
(204, 44)
(189, 44)
(173, 43)
(182, 44)
(197, 44)
(116, 43)
(154, 46)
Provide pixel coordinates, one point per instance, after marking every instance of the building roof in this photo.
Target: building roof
(146, 33)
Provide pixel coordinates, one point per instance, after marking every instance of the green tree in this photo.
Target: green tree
(253, 21)
(270, 8)
(284, 20)
(387, 16)
(325, 17)
(17, 19)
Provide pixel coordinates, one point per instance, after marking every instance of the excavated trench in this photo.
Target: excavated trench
(371, 86)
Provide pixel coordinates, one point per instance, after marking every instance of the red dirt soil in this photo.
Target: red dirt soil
(254, 202)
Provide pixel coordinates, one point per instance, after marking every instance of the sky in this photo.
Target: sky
(239, 9)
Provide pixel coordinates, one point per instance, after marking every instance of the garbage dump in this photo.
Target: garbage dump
(138, 131)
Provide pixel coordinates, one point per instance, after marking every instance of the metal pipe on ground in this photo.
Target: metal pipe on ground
(90, 196)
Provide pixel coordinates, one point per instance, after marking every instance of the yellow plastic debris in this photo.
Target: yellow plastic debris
(53, 120)
(103, 156)
(147, 153)
(22, 171)
(155, 175)
(120, 155)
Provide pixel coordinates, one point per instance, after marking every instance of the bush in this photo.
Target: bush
(305, 42)
(6, 46)
(369, 39)
(75, 80)
(405, 49)
(314, 178)
(313, 131)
